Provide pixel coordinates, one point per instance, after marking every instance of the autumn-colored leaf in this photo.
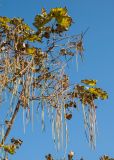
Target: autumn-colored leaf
(31, 50)
(89, 82)
(65, 22)
(105, 157)
(68, 116)
(58, 12)
(26, 27)
(9, 148)
(99, 93)
(4, 19)
(16, 21)
(79, 46)
(44, 13)
(40, 21)
(16, 142)
(33, 37)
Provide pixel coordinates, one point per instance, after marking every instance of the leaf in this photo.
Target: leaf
(1, 145)
(16, 21)
(68, 116)
(44, 13)
(99, 93)
(5, 26)
(26, 27)
(31, 50)
(105, 157)
(9, 148)
(65, 21)
(4, 19)
(89, 82)
(40, 20)
(49, 157)
(16, 142)
(4, 23)
(33, 37)
(58, 12)
(79, 46)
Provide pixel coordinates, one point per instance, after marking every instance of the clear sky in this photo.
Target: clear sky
(98, 15)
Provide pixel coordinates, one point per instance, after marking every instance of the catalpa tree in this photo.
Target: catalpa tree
(33, 75)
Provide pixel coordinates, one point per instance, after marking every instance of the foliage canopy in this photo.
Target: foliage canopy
(32, 71)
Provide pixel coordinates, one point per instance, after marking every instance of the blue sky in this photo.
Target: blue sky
(98, 15)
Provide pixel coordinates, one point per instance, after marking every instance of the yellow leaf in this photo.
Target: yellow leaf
(57, 12)
(99, 93)
(16, 21)
(31, 51)
(60, 14)
(40, 20)
(10, 148)
(33, 37)
(89, 82)
(4, 20)
(5, 26)
(64, 21)
(44, 12)
(26, 27)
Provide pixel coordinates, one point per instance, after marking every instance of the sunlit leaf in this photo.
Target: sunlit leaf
(65, 21)
(40, 21)
(5, 26)
(9, 148)
(58, 12)
(89, 82)
(4, 19)
(44, 13)
(16, 21)
(33, 37)
(99, 93)
(31, 50)
(26, 27)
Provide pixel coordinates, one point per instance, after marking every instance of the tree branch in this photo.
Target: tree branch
(12, 119)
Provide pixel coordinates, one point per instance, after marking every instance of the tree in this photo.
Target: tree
(32, 70)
